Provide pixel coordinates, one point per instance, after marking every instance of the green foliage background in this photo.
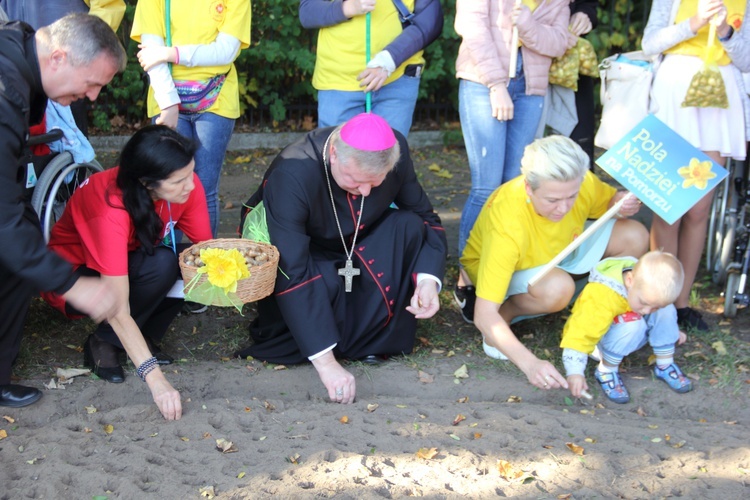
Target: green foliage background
(276, 71)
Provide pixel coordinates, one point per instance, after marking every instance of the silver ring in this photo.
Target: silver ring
(340, 392)
(546, 377)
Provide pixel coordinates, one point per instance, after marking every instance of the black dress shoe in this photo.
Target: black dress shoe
(372, 359)
(101, 357)
(17, 396)
(162, 358)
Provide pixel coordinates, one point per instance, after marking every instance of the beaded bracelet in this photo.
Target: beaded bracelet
(146, 367)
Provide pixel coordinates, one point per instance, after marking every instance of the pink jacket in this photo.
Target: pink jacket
(486, 29)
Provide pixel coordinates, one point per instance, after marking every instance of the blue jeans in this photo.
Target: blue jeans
(494, 148)
(395, 102)
(659, 329)
(212, 133)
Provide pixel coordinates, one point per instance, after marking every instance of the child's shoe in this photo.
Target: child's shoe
(612, 386)
(675, 379)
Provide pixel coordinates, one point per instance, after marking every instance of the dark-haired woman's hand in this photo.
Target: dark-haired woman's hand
(166, 397)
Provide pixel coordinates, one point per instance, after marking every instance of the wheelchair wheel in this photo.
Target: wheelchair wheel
(716, 222)
(733, 286)
(55, 187)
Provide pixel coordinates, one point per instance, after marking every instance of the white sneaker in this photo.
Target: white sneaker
(493, 353)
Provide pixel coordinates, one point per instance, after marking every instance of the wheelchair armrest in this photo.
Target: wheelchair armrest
(51, 136)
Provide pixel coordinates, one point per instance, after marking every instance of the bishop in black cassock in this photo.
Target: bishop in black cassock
(400, 238)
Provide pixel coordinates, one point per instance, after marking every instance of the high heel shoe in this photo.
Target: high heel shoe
(97, 353)
(162, 358)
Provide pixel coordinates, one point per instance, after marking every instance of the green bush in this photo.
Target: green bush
(276, 71)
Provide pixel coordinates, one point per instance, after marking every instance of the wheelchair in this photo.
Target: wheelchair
(727, 247)
(57, 177)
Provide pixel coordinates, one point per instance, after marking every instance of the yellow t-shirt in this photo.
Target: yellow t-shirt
(198, 22)
(509, 235)
(696, 46)
(341, 48)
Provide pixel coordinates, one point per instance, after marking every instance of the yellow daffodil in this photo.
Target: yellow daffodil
(697, 174)
(224, 268)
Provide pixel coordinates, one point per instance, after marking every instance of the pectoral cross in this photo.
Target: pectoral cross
(348, 272)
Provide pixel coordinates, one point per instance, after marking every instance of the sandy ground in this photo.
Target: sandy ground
(417, 429)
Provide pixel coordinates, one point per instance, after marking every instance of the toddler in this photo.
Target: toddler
(626, 303)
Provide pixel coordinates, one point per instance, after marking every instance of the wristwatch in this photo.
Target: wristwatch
(728, 35)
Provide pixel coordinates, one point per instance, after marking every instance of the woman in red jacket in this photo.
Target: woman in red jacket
(120, 225)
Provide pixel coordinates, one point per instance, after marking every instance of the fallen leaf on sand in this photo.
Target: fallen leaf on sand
(279, 367)
(206, 435)
(225, 446)
(679, 444)
(186, 439)
(477, 435)
(578, 450)
(425, 377)
(507, 471)
(90, 409)
(207, 491)
(3, 434)
(8, 419)
(293, 459)
(427, 453)
(240, 475)
(464, 399)
(590, 440)
(344, 419)
(66, 373)
(459, 418)
(514, 399)
(453, 436)
(719, 348)
(228, 205)
(640, 412)
(109, 429)
(564, 496)
(268, 406)
(372, 407)
(462, 372)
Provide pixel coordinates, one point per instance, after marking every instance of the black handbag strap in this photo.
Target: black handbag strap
(404, 14)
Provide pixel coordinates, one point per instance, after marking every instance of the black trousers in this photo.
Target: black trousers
(583, 134)
(15, 298)
(150, 277)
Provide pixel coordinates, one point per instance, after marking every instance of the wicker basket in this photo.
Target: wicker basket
(262, 278)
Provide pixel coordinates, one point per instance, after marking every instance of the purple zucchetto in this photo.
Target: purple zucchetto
(368, 132)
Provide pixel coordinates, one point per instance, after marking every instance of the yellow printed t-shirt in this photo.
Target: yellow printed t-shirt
(198, 22)
(509, 236)
(696, 46)
(341, 48)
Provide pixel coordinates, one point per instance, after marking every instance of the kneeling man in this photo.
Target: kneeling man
(362, 251)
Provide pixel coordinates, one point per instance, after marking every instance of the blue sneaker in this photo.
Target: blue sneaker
(612, 386)
(675, 379)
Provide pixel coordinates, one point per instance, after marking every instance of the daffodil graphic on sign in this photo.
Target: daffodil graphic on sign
(697, 174)
(224, 268)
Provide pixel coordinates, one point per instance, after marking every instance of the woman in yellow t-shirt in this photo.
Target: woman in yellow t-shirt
(524, 224)
(717, 132)
(194, 85)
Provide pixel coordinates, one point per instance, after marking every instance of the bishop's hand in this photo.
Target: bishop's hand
(341, 385)
(425, 301)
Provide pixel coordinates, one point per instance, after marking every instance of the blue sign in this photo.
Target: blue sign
(661, 168)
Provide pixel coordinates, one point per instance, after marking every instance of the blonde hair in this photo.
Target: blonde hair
(553, 158)
(660, 273)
